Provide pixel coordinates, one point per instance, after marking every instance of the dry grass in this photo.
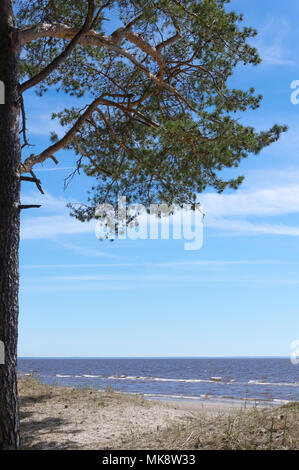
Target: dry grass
(54, 417)
(254, 429)
(71, 418)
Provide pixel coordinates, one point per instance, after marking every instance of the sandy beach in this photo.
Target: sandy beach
(56, 417)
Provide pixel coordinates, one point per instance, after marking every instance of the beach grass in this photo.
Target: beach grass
(55, 417)
(252, 429)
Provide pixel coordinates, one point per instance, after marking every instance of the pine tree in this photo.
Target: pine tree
(160, 122)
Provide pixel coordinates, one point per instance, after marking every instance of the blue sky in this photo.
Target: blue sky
(237, 296)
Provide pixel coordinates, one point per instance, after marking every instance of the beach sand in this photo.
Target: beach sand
(54, 417)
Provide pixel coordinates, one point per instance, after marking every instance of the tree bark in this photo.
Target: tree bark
(10, 157)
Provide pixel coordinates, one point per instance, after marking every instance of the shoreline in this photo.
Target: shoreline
(56, 417)
(218, 401)
(201, 402)
(210, 400)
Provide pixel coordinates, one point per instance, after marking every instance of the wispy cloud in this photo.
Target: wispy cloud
(78, 287)
(56, 168)
(272, 42)
(270, 178)
(133, 279)
(229, 212)
(174, 264)
(86, 251)
(53, 226)
(279, 200)
(75, 266)
(243, 227)
(55, 222)
(217, 263)
(49, 203)
(42, 125)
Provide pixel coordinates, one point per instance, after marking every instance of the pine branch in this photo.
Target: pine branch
(58, 60)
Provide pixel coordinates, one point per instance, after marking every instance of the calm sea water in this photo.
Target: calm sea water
(265, 379)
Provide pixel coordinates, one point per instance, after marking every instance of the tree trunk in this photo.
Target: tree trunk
(10, 154)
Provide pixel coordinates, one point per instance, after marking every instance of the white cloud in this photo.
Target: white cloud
(229, 212)
(53, 226)
(70, 281)
(49, 203)
(43, 125)
(175, 264)
(226, 212)
(85, 251)
(264, 202)
(216, 263)
(269, 178)
(238, 227)
(55, 222)
(91, 287)
(74, 266)
(116, 278)
(55, 168)
(271, 42)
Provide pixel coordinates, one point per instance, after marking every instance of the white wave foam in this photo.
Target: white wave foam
(211, 398)
(177, 380)
(159, 379)
(278, 384)
(91, 376)
(181, 397)
(64, 376)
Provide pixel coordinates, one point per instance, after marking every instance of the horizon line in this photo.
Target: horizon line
(153, 357)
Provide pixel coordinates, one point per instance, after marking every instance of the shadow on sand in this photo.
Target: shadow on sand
(35, 432)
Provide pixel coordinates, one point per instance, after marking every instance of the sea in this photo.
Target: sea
(271, 380)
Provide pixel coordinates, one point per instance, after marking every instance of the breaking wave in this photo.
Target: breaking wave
(176, 380)
(277, 384)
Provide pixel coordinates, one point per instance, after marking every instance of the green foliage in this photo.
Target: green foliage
(197, 132)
